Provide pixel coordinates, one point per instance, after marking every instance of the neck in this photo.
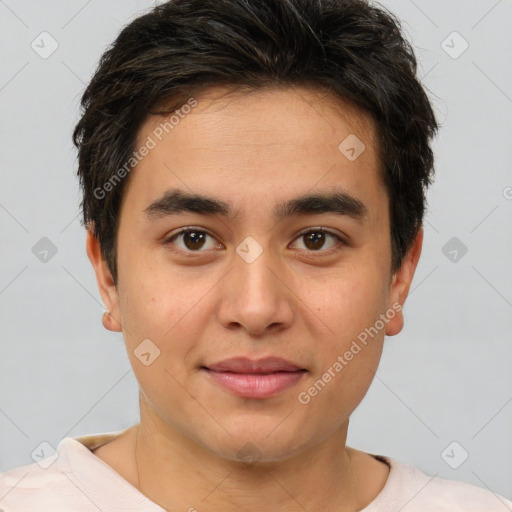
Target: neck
(179, 474)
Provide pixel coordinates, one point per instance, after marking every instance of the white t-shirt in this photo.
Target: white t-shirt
(75, 480)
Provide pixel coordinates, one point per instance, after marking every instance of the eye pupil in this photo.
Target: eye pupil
(315, 237)
(196, 237)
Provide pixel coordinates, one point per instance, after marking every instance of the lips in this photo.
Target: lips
(249, 378)
(249, 366)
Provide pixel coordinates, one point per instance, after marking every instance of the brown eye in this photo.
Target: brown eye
(315, 240)
(191, 240)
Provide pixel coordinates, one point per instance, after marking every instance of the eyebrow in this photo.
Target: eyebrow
(176, 201)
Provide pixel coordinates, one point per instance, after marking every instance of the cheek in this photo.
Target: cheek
(170, 308)
(347, 357)
(348, 299)
(158, 328)
(349, 303)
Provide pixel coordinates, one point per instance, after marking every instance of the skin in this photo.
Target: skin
(253, 150)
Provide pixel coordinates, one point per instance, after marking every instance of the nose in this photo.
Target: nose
(255, 295)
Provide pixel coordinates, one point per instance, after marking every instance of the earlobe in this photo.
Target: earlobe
(110, 323)
(401, 283)
(105, 282)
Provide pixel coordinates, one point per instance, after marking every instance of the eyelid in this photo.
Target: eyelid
(186, 229)
(326, 252)
(320, 229)
(167, 241)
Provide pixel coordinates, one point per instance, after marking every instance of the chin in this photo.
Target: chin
(259, 443)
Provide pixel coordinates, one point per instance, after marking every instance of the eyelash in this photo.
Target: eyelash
(191, 254)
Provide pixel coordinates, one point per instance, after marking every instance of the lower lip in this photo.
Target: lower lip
(256, 385)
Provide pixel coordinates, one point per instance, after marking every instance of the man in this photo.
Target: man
(254, 177)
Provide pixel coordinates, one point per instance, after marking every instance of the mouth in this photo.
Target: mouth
(254, 379)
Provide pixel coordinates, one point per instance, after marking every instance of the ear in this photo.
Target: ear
(401, 282)
(105, 281)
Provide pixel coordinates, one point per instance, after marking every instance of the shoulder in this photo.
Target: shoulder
(60, 482)
(24, 485)
(416, 491)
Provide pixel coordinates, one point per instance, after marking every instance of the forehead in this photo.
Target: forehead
(256, 143)
(264, 113)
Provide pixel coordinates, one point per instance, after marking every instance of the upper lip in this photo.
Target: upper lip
(247, 365)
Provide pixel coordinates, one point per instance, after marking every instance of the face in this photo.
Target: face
(261, 272)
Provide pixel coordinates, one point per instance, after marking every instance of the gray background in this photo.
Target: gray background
(445, 378)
